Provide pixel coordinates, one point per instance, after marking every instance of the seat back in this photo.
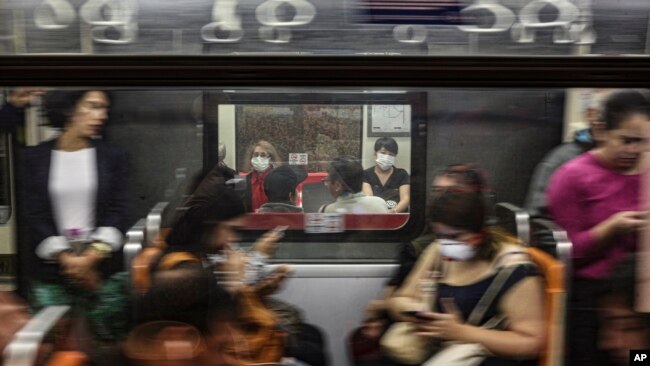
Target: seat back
(555, 304)
(513, 219)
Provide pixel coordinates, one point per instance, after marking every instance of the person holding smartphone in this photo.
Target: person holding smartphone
(471, 260)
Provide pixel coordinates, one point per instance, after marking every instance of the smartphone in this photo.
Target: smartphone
(414, 314)
(280, 229)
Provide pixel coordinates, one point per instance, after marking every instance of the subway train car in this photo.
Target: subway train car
(494, 83)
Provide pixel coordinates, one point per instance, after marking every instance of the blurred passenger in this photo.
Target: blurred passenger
(465, 177)
(472, 262)
(387, 181)
(205, 237)
(596, 199)
(74, 198)
(280, 187)
(584, 140)
(188, 319)
(621, 328)
(261, 159)
(228, 172)
(344, 181)
(12, 112)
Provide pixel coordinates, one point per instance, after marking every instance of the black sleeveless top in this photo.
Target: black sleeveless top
(466, 297)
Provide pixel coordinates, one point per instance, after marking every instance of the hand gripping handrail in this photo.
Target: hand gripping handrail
(154, 219)
(134, 242)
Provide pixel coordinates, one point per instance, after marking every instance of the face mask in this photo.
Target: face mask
(385, 161)
(260, 164)
(456, 250)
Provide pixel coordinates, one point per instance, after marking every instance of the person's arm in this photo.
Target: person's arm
(407, 296)
(36, 206)
(404, 198)
(564, 198)
(523, 307)
(112, 226)
(367, 189)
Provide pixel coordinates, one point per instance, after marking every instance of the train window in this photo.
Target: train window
(323, 27)
(173, 138)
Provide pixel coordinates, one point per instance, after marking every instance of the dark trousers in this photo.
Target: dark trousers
(583, 324)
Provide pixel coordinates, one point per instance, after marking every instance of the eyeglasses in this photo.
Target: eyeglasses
(261, 155)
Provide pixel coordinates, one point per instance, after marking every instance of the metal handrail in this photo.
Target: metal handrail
(134, 242)
(23, 349)
(153, 221)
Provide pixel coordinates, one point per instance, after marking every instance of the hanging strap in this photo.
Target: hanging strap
(488, 298)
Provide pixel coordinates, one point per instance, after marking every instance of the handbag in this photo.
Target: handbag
(400, 342)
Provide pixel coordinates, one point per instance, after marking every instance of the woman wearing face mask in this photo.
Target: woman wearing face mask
(470, 260)
(596, 198)
(262, 158)
(387, 181)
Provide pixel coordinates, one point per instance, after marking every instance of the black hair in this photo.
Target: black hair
(59, 105)
(201, 214)
(188, 294)
(620, 105)
(459, 209)
(388, 143)
(280, 183)
(349, 171)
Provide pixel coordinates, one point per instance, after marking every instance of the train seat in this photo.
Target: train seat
(555, 304)
(513, 219)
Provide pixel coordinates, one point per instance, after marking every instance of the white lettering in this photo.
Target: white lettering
(224, 18)
(273, 29)
(54, 14)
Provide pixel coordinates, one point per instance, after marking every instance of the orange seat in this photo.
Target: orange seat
(67, 358)
(555, 296)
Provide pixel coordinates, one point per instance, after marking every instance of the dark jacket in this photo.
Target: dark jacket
(110, 209)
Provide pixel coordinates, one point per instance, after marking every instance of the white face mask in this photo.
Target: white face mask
(385, 161)
(456, 250)
(260, 164)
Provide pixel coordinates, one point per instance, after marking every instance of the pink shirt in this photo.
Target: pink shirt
(581, 194)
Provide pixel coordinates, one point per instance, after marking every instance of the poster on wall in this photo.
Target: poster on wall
(393, 120)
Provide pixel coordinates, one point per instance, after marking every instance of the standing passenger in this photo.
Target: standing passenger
(596, 199)
(261, 159)
(387, 181)
(74, 197)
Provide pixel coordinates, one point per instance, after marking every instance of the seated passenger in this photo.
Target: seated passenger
(387, 181)
(596, 199)
(203, 237)
(470, 259)
(365, 341)
(280, 187)
(261, 159)
(622, 328)
(344, 181)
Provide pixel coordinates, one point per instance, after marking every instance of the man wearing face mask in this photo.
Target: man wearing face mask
(387, 181)
(262, 158)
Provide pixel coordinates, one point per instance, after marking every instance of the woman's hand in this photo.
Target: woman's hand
(267, 244)
(448, 326)
(81, 269)
(272, 283)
